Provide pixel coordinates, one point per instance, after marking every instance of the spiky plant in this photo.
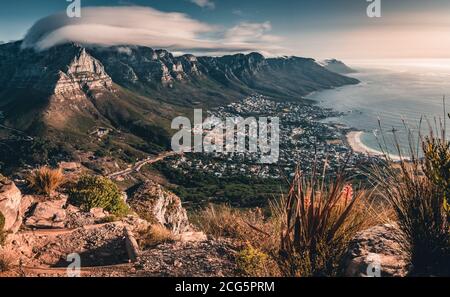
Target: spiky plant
(320, 218)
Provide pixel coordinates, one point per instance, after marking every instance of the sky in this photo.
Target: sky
(311, 28)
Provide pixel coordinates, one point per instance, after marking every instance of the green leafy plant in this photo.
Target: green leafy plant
(96, 191)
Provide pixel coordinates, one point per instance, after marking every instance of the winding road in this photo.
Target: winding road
(138, 165)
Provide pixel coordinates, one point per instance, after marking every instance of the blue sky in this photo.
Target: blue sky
(317, 28)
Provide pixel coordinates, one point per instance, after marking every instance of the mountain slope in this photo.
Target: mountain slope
(65, 93)
(336, 66)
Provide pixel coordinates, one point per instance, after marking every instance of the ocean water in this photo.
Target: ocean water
(392, 92)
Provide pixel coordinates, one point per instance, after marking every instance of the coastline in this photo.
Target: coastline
(354, 140)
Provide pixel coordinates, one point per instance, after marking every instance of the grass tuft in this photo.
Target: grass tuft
(45, 180)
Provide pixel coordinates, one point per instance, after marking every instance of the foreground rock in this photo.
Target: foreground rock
(157, 205)
(48, 214)
(97, 245)
(194, 259)
(377, 252)
(10, 204)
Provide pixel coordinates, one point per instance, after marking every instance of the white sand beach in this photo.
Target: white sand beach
(354, 140)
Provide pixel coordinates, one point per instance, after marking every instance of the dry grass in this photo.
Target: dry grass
(256, 233)
(244, 225)
(287, 243)
(6, 261)
(154, 236)
(45, 180)
(417, 189)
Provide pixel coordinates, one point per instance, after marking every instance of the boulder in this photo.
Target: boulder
(157, 205)
(10, 202)
(192, 237)
(48, 214)
(99, 213)
(377, 252)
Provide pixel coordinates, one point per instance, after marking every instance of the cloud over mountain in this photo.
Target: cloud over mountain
(136, 25)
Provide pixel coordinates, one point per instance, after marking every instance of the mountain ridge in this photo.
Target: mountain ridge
(64, 93)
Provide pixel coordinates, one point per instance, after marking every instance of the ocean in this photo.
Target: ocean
(391, 92)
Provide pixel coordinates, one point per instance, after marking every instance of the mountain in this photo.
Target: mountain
(336, 66)
(65, 93)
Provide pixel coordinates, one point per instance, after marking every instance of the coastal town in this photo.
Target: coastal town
(305, 140)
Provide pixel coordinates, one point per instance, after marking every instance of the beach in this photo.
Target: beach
(354, 140)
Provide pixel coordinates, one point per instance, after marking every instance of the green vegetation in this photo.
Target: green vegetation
(96, 191)
(200, 188)
(17, 153)
(253, 262)
(437, 165)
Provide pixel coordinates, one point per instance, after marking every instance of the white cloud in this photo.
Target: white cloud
(146, 26)
(204, 3)
(251, 33)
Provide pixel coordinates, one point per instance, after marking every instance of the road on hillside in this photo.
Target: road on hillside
(138, 165)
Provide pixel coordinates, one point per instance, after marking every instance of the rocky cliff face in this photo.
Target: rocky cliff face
(67, 68)
(145, 67)
(157, 205)
(10, 205)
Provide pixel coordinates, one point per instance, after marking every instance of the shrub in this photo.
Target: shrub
(437, 164)
(255, 263)
(154, 236)
(6, 261)
(320, 218)
(418, 190)
(45, 180)
(95, 191)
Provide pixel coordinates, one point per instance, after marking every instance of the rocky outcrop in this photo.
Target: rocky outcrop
(48, 214)
(194, 259)
(10, 205)
(157, 205)
(377, 252)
